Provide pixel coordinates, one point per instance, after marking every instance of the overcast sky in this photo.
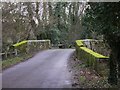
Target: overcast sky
(59, 0)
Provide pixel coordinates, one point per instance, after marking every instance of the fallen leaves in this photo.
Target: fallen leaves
(84, 77)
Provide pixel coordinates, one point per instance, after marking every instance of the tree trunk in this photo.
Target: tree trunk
(113, 68)
(118, 67)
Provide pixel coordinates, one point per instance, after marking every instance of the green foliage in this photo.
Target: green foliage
(104, 18)
(57, 21)
(54, 35)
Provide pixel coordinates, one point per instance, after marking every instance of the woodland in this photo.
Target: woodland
(64, 22)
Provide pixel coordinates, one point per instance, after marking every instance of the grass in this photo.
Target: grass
(10, 62)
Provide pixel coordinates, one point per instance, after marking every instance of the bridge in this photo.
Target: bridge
(48, 68)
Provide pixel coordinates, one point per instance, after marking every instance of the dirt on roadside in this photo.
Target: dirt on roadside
(84, 77)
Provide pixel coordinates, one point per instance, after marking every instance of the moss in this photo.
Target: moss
(20, 43)
(97, 55)
(82, 79)
(79, 43)
(92, 59)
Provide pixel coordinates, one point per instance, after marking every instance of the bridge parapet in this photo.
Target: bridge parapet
(98, 46)
(88, 53)
(30, 46)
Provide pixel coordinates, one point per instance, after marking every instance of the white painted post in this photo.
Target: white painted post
(16, 53)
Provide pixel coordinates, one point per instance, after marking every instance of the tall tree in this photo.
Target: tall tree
(104, 19)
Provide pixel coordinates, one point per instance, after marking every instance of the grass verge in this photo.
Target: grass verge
(13, 61)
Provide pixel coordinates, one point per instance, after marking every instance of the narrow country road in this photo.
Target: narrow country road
(47, 69)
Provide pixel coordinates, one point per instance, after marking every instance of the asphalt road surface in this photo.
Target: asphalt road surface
(47, 69)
